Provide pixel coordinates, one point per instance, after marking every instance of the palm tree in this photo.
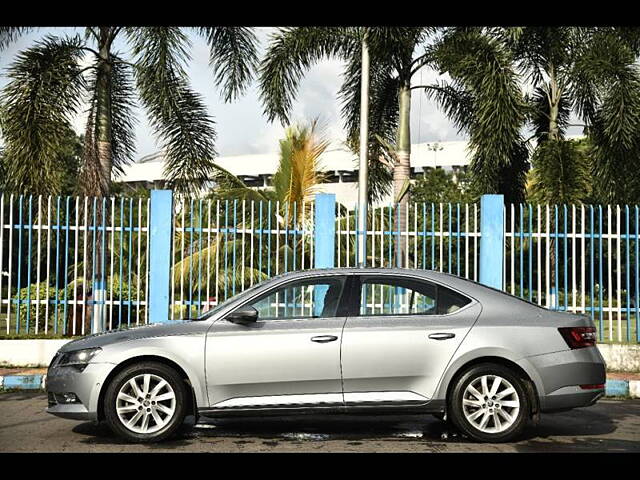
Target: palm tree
(49, 81)
(591, 73)
(298, 175)
(294, 50)
(397, 54)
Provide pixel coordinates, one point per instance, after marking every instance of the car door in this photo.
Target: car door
(400, 335)
(288, 358)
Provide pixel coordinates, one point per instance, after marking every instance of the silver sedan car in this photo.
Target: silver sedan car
(370, 341)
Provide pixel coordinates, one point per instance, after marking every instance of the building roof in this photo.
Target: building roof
(433, 154)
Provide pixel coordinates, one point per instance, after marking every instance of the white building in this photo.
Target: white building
(340, 165)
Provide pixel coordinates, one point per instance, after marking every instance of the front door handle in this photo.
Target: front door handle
(324, 339)
(442, 336)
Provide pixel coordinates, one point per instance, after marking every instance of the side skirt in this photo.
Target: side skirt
(434, 406)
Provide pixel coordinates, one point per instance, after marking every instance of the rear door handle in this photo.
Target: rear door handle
(442, 336)
(324, 339)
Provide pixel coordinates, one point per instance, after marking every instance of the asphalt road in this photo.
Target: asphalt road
(610, 425)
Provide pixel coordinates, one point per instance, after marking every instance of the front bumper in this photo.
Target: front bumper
(562, 373)
(86, 386)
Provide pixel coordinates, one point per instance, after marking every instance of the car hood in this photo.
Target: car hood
(175, 327)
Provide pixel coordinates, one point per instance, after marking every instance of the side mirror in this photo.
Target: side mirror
(243, 316)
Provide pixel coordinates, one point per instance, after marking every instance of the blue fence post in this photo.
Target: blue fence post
(491, 240)
(324, 231)
(160, 255)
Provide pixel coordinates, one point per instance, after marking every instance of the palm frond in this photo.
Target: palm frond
(177, 113)
(560, 173)
(383, 120)
(456, 103)
(45, 89)
(233, 57)
(122, 127)
(123, 119)
(8, 35)
(483, 68)
(298, 174)
(228, 186)
(290, 53)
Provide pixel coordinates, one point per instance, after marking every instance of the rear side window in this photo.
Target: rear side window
(450, 301)
(405, 296)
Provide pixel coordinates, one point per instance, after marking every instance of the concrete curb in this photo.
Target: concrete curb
(617, 388)
(613, 388)
(22, 382)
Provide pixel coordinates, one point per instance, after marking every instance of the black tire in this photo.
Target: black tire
(455, 408)
(166, 373)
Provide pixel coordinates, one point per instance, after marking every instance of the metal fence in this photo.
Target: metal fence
(62, 259)
(222, 247)
(433, 236)
(577, 258)
(72, 265)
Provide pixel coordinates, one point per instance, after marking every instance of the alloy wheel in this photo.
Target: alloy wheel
(490, 403)
(145, 403)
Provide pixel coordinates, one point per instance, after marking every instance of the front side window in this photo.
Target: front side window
(405, 296)
(310, 298)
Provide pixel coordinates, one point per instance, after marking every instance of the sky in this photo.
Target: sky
(241, 125)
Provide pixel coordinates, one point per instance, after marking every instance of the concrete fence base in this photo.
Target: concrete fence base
(620, 357)
(29, 353)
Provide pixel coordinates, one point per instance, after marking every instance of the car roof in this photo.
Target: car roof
(468, 287)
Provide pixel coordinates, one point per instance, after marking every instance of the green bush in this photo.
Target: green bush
(54, 316)
(39, 313)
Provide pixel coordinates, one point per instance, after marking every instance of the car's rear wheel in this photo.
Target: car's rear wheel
(146, 402)
(489, 403)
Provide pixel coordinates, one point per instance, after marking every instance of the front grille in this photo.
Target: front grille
(51, 399)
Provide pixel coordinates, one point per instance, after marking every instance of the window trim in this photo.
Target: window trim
(353, 310)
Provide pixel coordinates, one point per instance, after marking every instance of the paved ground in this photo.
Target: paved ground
(610, 425)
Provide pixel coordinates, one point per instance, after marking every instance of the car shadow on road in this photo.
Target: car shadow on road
(566, 430)
(100, 434)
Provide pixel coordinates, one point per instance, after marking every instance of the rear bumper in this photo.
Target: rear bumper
(562, 373)
(567, 398)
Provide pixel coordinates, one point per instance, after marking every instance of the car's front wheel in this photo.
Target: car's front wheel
(489, 403)
(146, 402)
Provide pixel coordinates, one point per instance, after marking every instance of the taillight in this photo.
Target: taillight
(592, 386)
(579, 337)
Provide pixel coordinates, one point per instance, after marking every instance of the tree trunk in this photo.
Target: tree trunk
(402, 169)
(554, 135)
(101, 170)
(103, 115)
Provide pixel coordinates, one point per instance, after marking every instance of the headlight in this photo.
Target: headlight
(78, 358)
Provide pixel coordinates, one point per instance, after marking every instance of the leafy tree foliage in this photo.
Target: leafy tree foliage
(439, 186)
(49, 81)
